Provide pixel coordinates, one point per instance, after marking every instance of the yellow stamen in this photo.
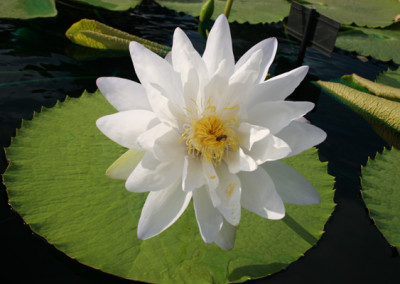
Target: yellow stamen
(211, 137)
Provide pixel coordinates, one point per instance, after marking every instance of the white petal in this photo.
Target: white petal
(291, 185)
(162, 209)
(124, 165)
(168, 57)
(215, 89)
(123, 94)
(249, 134)
(260, 196)
(239, 161)
(166, 110)
(270, 148)
(152, 175)
(277, 115)
(268, 47)
(301, 136)
(241, 83)
(211, 177)
(126, 126)
(226, 237)
(208, 218)
(192, 177)
(162, 142)
(279, 87)
(229, 192)
(186, 60)
(219, 47)
(152, 69)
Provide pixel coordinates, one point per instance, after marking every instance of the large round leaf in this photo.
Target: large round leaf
(254, 11)
(390, 78)
(369, 13)
(380, 182)
(27, 9)
(382, 44)
(56, 181)
(114, 5)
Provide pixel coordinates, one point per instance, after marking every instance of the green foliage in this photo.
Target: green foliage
(382, 44)
(27, 9)
(383, 114)
(379, 90)
(390, 78)
(91, 33)
(113, 5)
(380, 183)
(369, 13)
(255, 11)
(206, 11)
(57, 183)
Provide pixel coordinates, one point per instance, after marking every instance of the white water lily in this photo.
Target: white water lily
(206, 125)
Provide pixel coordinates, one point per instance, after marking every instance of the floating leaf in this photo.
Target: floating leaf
(390, 78)
(380, 90)
(383, 114)
(114, 5)
(369, 13)
(382, 44)
(380, 182)
(91, 33)
(57, 183)
(27, 9)
(256, 11)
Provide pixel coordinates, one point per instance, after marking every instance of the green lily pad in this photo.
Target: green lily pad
(369, 13)
(27, 9)
(383, 114)
(114, 5)
(380, 183)
(377, 89)
(91, 33)
(390, 78)
(382, 44)
(258, 11)
(56, 181)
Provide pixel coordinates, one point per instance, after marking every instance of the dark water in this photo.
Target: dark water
(39, 66)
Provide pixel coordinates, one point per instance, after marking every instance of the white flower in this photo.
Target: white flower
(206, 125)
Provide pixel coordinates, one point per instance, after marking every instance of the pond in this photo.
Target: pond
(39, 65)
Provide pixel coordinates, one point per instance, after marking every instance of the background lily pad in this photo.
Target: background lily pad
(114, 5)
(383, 114)
(97, 35)
(382, 44)
(380, 182)
(26, 9)
(56, 182)
(369, 13)
(390, 78)
(255, 11)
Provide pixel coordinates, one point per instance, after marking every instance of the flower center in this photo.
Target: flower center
(211, 138)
